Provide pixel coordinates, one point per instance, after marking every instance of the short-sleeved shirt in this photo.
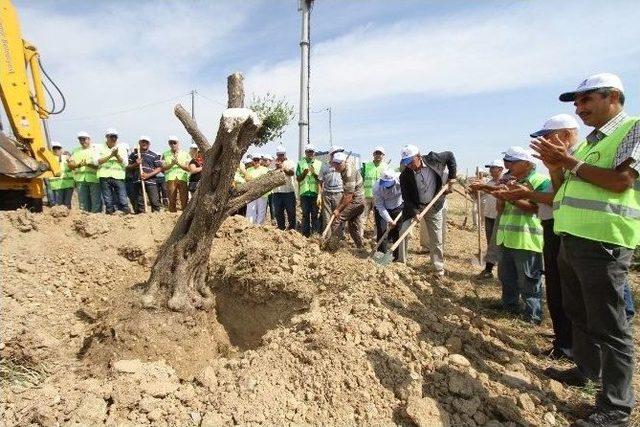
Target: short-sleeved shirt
(150, 161)
(629, 148)
(288, 187)
(331, 180)
(352, 181)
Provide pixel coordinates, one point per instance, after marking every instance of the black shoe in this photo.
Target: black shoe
(571, 376)
(485, 274)
(556, 353)
(605, 418)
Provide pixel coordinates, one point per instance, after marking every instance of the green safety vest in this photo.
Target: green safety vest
(518, 229)
(84, 173)
(370, 174)
(238, 178)
(176, 172)
(112, 168)
(65, 180)
(309, 185)
(253, 173)
(591, 212)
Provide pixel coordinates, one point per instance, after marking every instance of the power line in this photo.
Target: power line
(128, 110)
(210, 99)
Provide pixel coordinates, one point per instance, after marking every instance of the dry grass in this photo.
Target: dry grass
(14, 374)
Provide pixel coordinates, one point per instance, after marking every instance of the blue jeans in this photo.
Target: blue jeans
(89, 196)
(114, 194)
(310, 220)
(285, 202)
(520, 272)
(63, 197)
(51, 196)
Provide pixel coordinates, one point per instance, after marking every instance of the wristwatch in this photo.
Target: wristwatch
(574, 171)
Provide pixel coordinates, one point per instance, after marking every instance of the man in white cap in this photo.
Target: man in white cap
(331, 184)
(388, 205)
(520, 237)
(371, 172)
(284, 197)
(61, 186)
(176, 174)
(307, 175)
(597, 215)
(351, 204)
(112, 158)
(84, 164)
(151, 165)
(256, 209)
(490, 211)
(420, 180)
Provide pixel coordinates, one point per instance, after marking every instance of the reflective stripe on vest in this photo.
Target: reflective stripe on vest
(591, 212)
(176, 172)
(519, 229)
(84, 173)
(309, 184)
(371, 175)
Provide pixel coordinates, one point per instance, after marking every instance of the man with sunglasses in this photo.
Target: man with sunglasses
(84, 164)
(176, 174)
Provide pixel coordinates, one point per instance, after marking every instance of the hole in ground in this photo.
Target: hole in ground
(246, 322)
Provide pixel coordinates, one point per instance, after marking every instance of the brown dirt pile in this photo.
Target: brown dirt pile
(298, 336)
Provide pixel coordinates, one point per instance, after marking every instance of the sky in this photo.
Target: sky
(469, 77)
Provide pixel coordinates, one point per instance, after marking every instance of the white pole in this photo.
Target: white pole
(303, 117)
(330, 129)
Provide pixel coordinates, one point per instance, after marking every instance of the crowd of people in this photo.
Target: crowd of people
(577, 226)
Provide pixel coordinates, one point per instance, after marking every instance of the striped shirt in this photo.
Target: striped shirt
(629, 147)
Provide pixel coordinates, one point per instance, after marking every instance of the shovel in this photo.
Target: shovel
(386, 258)
(384, 236)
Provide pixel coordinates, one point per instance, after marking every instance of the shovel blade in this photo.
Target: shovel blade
(383, 258)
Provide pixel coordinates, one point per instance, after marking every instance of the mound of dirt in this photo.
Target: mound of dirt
(296, 336)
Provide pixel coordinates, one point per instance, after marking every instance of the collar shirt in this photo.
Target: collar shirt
(352, 182)
(288, 187)
(426, 182)
(387, 199)
(629, 148)
(331, 180)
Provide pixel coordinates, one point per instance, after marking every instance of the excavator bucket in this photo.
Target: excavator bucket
(17, 164)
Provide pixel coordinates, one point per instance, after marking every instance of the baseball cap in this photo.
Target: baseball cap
(145, 138)
(335, 149)
(83, 134)
(515, 154)
(495, 164)
(280, 149)
(256, 156)
(111, 131)
(172, 138)
(267, 156)
(309, 147)
(388, 177)
(55, 144)
(559, 121)
(380, 149)
(194, 145)
(339, 157)
(596, 81)
(407, 153)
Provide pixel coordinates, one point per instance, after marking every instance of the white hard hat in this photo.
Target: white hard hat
(380, 149)
(83, 134)
(309, 147)
(339, 157)
(280, 149)
(111, 131)
(516, 153)
(173, 138)
(407, 153)
(335, 149)
(55, 144)
(559, 121)
(596, 81)
(495, 164)
(145, 138)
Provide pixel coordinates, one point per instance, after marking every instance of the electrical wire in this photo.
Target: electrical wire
(53, 102)
(210, 99)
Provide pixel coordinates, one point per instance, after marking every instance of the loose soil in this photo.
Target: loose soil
(297, 335)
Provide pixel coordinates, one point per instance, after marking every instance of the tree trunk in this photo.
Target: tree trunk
(179, 275)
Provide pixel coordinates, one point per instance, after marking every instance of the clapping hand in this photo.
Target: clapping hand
(552, 152)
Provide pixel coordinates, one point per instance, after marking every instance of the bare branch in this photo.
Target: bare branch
(254, 189)
(192, 127)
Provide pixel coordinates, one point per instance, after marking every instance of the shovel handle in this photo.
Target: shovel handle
(384, 236)
(417, 220)
(328, 227)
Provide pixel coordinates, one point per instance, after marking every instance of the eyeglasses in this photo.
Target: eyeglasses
(173, 142)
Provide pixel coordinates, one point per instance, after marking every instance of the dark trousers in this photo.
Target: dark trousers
(488, 228)
(63, 197)
(553, 285)
(114, 195)
(310, 220)
(594, 275)
(381, 227)
(152, 196)
(163, 190)
(285, 203)
(130, 186)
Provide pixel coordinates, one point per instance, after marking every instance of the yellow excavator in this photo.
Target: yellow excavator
(26, 159)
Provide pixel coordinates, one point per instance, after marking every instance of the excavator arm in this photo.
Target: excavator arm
(25, 161)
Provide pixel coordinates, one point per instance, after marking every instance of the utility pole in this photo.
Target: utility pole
(303, 118)
(193, 104)
(330, 129)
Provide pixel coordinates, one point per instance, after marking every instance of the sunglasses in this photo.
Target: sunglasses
(173, 142)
